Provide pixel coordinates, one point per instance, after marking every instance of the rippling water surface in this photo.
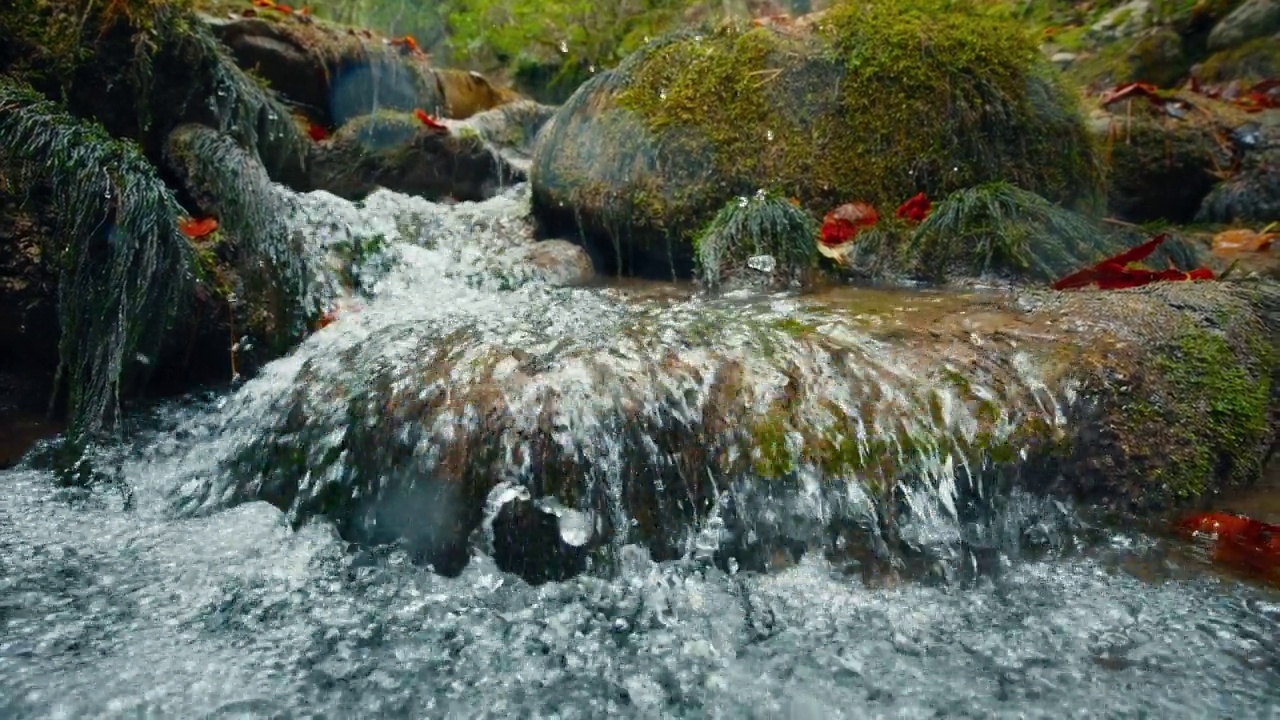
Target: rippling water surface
(115, 605)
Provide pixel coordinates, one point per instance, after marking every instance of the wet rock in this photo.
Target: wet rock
(560, 262)
(468, 92)
(642, 156)
(335, 73)
(1178, 396)
(1252, 19)
(398, 152)
(1250, 193)
(512, 129)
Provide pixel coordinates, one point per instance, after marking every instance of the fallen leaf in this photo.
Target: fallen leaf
(1238, 541)
(915, 209)
(196, 229)
(430, 122)
(845, 222)
(1243, 240)
(316, 132)
(1131, 90)
(1116, 273)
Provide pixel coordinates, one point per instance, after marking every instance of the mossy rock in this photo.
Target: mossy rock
(397, 151)
(874, 101)
(1252, 19)
(1250, 62)
(1178, 396)
(1158, 56)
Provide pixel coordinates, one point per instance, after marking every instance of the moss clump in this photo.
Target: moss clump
(999, 229)
(1221, 412)
(881, 100)
(765, 224)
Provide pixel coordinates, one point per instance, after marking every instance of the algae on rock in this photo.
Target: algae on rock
(876, 101)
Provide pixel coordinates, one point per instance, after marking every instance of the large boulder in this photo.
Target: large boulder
(1252, 19)
(336, 73)
(873, 100)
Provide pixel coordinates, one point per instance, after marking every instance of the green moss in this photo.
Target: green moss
(882, 100)
(795, 328)
(1255, 60)
(996, 228)
(770, 457)
(1157, 57)
(1217, 412)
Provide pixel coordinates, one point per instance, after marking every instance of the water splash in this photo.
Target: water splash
(650, 414)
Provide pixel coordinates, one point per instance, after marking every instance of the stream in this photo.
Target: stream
(170, 588)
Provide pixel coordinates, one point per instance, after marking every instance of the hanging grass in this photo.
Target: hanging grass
(229, 182)
(766, 224)
(1000, 229)
(123, 264)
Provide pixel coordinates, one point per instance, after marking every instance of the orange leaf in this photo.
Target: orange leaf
(284, 8)
(196, 229)
(1242, 240)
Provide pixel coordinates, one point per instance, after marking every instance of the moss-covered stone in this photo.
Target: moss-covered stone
(1177, 402)
(1156, 57)
(1250, 62)
(845, 107)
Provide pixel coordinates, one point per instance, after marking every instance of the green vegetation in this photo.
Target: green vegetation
(763, 224)
(996, 228)
(125, 264)
(1220, 413)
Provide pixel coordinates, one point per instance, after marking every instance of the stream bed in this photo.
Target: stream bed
(159, 593)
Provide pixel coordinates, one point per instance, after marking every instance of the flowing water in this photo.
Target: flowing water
(169, 588)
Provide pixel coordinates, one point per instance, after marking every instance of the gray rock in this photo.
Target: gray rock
(1253, 19)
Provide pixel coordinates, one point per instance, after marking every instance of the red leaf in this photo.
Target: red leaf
(316, 132)
(845, 222)
(1130, 90)
(430, 121)
(195, 229)
(915, 209)
(1238, 541)
(1114, 273)
(284, 8)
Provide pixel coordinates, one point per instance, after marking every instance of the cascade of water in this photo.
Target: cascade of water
(786, 421)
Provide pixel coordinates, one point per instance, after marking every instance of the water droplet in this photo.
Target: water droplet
(662, 94)
(768, 135)
(564, 46)
(591, 69)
